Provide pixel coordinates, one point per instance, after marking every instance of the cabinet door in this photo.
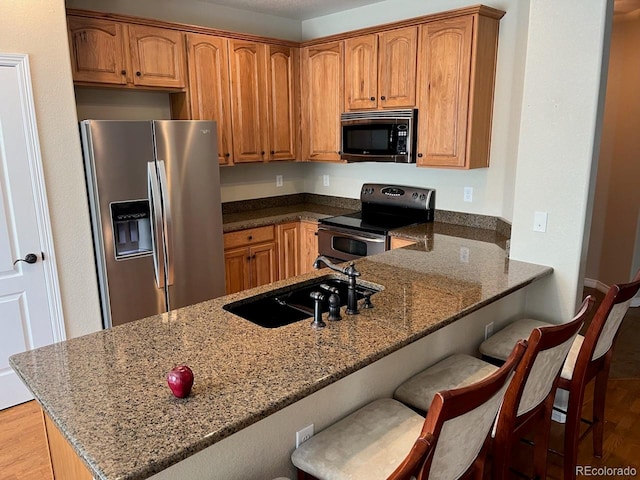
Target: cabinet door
(237, 273)
(288, 250)
(157, 56)
(246, 60)
(209, 87)
(322, 101)
(281, 94)
(264, 266)
(361, 72)
(443, 83)
(397, 68)
(308, 245)
(97, 50)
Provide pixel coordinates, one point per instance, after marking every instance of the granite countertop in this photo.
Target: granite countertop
(280, 214)
(107, 391)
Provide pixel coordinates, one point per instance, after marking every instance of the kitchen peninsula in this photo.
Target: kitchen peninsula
(254, 387)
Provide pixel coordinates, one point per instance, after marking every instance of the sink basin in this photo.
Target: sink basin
(293, 303)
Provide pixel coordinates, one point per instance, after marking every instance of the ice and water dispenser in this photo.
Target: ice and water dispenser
(131, 223)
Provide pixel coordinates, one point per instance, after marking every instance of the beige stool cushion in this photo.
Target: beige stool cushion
(500, 344)
(452, 372)
(368, 444)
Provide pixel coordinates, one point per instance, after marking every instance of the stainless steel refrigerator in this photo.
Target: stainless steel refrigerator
(154, 194)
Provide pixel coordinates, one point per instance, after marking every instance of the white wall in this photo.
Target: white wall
(38, 28)
(559, 143)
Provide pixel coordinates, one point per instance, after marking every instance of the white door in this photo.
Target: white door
(30, 314)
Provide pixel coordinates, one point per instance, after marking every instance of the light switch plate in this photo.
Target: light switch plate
(540, 222)
(278, 180)
(325, 180)
(468, 194)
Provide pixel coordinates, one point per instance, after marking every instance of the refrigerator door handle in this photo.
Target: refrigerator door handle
(156, 224)
(168, 228)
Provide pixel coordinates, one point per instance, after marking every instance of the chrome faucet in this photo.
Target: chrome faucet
(351, 272)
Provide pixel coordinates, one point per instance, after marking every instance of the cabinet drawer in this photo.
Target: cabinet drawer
(249, 236)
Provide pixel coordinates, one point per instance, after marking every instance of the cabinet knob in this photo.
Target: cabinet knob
(138, 74)
(419, 155)
(262, 152)
(254, 256)
(248, 257)
(373, 99)
(273, 152)
(383, 97)
(123, 72)
(250, 237)
(227, 154)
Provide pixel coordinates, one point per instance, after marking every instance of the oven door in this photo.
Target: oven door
(344, 244)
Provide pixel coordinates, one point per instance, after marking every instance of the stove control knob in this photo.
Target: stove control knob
(415, 195)
(423, 196)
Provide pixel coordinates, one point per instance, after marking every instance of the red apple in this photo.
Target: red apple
(180, 380)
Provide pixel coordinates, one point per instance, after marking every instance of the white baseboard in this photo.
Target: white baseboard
(635, 302)
(597, 284)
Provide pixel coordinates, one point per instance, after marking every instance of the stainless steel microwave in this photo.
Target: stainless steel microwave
(379, 136)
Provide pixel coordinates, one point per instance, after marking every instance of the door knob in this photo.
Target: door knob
(29, 258)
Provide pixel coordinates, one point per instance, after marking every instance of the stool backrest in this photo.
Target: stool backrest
(457, 425)
(601, 335)
(537, 373)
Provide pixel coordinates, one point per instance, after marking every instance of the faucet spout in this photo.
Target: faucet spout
(351, 272)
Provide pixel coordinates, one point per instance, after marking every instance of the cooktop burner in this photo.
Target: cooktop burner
(387, 207)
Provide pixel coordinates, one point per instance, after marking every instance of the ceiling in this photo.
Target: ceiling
(296, 9)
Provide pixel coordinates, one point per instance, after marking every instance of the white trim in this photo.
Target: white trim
(45, 235)
(597, 284)
(635, 302)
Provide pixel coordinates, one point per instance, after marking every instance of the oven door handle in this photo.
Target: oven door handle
(355, 237)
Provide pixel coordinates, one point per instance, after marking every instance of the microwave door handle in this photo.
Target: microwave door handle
(168, 222)
(156, 224)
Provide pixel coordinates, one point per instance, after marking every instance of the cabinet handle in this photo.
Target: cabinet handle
(138, 74)
(419, 155)
(123, 72)
(383, 97)
(373, 99)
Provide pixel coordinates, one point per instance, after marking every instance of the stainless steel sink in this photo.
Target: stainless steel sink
(293, 303)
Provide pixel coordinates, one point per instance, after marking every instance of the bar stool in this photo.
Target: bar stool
(588, 359)
(528, 401)
(387, 440)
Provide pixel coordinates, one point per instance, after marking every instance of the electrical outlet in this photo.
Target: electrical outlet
(468, 194)
(303, 435)
(540, 222)
(488, 330)
(278, 180)
(464, 254)
(325, 180)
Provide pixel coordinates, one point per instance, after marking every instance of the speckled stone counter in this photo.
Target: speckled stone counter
(424, 233)
(107, 391)
(273, 215)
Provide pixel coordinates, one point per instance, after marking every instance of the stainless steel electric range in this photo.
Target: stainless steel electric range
(384, 208)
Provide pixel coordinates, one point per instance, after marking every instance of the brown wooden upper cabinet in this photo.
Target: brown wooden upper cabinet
(380, 70)
(110, 52)
(456, 73)
(322, 102)
(208, 89)
(262, 101)
(97, 50)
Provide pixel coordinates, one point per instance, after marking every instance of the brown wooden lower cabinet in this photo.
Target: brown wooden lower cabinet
(308, 245)
(250, 258)
(258, 256)
(65, 462)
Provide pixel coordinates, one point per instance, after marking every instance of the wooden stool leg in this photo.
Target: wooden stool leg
(599, 396)
(572, 433)
(541, 439)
